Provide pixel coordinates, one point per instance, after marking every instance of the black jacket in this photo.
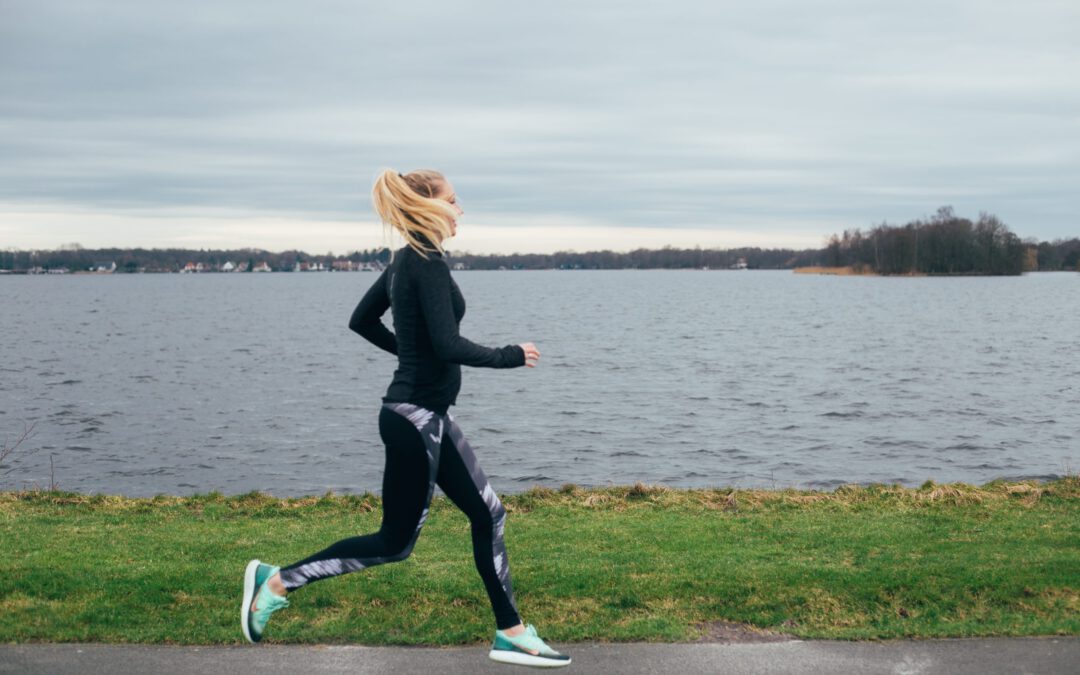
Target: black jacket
(427, 308)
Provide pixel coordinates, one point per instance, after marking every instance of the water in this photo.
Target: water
(179, 384)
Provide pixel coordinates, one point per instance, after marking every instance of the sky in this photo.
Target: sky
(562, 125)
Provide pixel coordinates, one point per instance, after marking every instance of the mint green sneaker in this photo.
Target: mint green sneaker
(268, 602)
(526, 649)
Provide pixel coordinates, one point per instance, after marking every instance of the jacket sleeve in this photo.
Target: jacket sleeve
(438, 312)
(367, 317)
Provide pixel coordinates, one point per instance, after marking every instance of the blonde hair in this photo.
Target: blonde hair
(407, 203)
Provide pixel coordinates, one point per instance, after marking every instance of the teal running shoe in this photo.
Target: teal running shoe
(268, 602)
(526, 649)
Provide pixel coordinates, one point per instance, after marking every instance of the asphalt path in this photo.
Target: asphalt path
(899, 657)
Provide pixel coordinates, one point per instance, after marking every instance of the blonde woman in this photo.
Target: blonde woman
(424, 445)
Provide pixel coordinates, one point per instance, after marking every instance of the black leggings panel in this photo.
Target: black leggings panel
(423, 449)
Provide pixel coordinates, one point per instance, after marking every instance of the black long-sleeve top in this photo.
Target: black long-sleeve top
(427, 309)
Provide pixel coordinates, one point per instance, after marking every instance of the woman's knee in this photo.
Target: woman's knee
(493, 519)
(402, 554)
(395, 547)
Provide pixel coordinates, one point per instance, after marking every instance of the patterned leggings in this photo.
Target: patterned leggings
(423, 449)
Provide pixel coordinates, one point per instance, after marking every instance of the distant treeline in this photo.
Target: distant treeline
(948, 244)
(75, 258)
(942, 244)
(664, 258)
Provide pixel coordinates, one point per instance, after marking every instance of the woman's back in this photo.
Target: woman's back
(427, 308)
(421, 376)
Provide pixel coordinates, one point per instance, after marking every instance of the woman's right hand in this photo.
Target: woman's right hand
(532, 354)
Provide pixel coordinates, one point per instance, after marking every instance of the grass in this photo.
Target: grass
(630, 563)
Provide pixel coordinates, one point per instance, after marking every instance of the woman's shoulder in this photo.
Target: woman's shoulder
(413, 263)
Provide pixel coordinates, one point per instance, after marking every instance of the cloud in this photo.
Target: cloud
(678, 116)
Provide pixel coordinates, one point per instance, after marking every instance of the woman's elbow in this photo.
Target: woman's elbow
(446, 350)
(361, 327)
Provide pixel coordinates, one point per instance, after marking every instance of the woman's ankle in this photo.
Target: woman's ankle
(276, 586)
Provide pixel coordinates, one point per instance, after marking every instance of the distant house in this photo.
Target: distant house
(261, 267)
(460, 266)
(188, 268)
(104, 267)
(242, 267)
(228, 266)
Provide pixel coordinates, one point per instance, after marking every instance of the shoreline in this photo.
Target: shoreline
(930, 490)
(850, 271)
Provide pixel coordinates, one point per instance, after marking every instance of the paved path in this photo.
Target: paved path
(900, 657)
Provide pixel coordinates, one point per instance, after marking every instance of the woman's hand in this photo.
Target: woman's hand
(532, 354)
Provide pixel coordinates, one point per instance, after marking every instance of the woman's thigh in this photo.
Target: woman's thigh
(407, 477)
(463, 481)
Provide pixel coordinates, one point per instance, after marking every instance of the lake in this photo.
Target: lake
(147, 384)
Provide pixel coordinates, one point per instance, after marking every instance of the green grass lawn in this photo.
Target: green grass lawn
(634, 563)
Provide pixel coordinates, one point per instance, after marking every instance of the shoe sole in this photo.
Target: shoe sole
(523, 659)
(249, 595)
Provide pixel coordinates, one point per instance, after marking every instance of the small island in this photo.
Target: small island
(943, 245)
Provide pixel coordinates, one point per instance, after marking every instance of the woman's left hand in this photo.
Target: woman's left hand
(532, 354)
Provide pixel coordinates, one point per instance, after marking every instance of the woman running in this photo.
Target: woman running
(424, 445)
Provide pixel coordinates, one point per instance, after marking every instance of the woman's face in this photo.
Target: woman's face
(446, 191)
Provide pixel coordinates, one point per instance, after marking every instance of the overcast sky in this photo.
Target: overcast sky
(562, 125)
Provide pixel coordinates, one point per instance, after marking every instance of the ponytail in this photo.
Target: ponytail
(407, 203)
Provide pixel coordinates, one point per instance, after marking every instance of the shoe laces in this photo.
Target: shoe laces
(531, 640)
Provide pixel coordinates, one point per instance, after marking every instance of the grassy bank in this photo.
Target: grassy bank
(633, 563)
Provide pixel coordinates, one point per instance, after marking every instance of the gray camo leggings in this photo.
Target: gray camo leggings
(423, 449)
